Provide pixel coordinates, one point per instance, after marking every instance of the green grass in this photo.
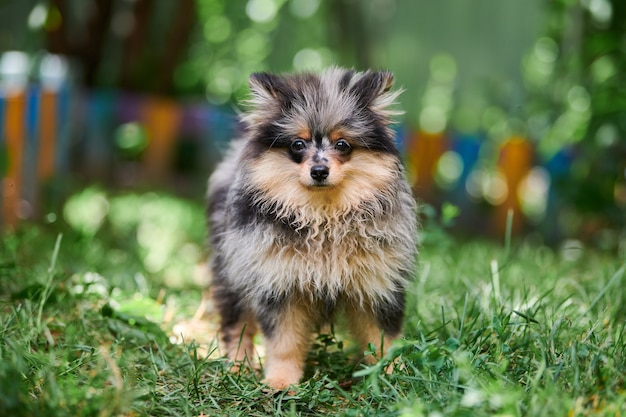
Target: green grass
(87, 311)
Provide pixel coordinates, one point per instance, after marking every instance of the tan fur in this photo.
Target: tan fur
(363, 326)
(288, 348)
(335, 135)
(240, 345)
(304, 134)
(294, 248)
(363, 177)
(363, 258)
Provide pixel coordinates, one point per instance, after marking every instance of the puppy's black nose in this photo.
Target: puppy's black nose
(319, 172)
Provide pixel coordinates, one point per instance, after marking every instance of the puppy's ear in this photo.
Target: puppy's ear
(372, 85)
(267, 87)
(269, 93)
(373, 90)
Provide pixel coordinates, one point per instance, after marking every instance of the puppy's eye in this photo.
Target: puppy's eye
(343, 146)
(298, 145)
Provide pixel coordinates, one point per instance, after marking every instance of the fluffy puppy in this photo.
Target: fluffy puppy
(309, 215)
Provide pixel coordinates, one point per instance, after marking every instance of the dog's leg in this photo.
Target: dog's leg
(379, 325)
(288, 339)
(239, 338)
(237, 327)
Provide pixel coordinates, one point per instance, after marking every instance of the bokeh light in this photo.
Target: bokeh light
(304, 9)
(571, 250)
(131, 138)
(53, 71)
(473, 184)
(602, 69)
(578, 99)
(37, 16)
(607, 135)
(433, 119)
(539, 65)
(449, 169)
(443, 68)
(261, 11)
(217, 29)
(14, 70)
(85, 212)
(307, 59)
(494, 187)
(533, 193)
(601, 11)
(437, 101)
(487, 184)
(252, 45)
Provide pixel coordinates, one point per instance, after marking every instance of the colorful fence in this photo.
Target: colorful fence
(109, 120)
(33, 143)
(51, 139)
(50, 135)
(489, 182)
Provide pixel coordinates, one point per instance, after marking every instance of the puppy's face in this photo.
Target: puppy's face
(320, 158)
(320, 133)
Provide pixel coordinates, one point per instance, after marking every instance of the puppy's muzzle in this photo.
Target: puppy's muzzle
(319, 173)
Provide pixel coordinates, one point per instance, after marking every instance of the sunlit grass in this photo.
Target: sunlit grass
(90, 325)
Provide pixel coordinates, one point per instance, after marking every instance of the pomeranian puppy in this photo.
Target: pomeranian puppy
(310, 215)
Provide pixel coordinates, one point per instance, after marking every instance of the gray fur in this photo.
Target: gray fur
(280, 243)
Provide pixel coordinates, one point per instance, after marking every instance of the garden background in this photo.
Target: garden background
(114, 112)
(518, 105)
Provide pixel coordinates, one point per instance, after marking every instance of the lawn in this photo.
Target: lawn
(91, 315)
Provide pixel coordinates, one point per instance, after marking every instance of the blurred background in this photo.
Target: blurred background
(515, 111)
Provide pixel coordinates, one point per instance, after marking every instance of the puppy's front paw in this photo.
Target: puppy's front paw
(282, 375)
(279, 383)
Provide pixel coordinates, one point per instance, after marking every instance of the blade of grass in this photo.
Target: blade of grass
(460, 336)
(495, 279)
(507, 233)
(616, 277)
(48, 287)
(618, 339)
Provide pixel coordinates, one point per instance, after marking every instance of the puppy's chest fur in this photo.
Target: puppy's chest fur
(316, 250)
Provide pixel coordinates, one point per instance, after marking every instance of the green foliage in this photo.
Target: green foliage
(488, 331)
(577, 97)
(238, 38)
(131, 139)
(164, 233)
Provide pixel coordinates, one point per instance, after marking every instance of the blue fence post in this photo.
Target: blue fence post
(99, 142)
(29, 202)
(467, 147)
